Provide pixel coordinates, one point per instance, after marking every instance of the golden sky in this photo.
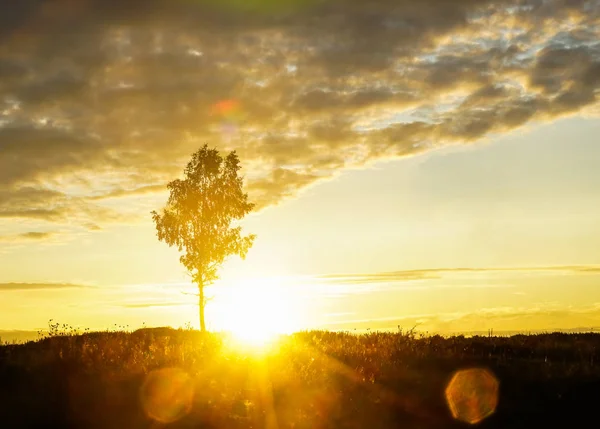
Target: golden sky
(451, 143)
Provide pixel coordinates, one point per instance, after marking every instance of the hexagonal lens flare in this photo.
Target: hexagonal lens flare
(472, 395)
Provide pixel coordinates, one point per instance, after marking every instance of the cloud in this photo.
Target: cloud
(119, 193)
(396, 276)
(513, 320)
(154, 304)
(92, 227)
(31, 202)
(36, 286)
(51, 205)
(41, 214)
(28, 236)
(100, 100)
(36, 235)
(437, 273)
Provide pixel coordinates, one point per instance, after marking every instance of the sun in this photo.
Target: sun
(257, 312)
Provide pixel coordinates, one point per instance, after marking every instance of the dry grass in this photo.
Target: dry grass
(307, 380)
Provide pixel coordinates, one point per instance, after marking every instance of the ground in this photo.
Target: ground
(183, 379)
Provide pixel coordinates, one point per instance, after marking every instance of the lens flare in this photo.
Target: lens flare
(472, 395)
(167, 395)
(230, 114)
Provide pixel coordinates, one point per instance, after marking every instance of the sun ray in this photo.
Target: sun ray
(401, 401)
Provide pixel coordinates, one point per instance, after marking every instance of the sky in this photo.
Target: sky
(429, 165)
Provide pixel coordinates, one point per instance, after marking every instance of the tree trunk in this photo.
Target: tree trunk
(201, 305)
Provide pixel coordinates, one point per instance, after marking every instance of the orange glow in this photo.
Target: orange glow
(226, 107)
(230, 114)
(167, 395)
(472, 395)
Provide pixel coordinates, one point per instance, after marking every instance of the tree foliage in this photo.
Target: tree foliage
(199, 214)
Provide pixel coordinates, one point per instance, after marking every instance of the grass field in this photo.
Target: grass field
(161, 377)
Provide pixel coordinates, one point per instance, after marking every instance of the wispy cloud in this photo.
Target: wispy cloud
(437, 273)
(394, 276)
(36, 286)
(155, 304)
(107, 99)
(541, 317)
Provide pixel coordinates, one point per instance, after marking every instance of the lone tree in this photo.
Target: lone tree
(198, 216)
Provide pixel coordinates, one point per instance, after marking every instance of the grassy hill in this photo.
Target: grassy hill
(182, 379)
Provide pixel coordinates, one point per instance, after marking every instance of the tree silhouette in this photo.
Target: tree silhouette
(198, 216)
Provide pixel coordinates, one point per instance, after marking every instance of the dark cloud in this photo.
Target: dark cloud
(32, 203)
(281, 183)
(28, 236)
(39, 214)
(36, 235)
(36, 286)
(104, 98)
(119, 193)
(44, 204)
